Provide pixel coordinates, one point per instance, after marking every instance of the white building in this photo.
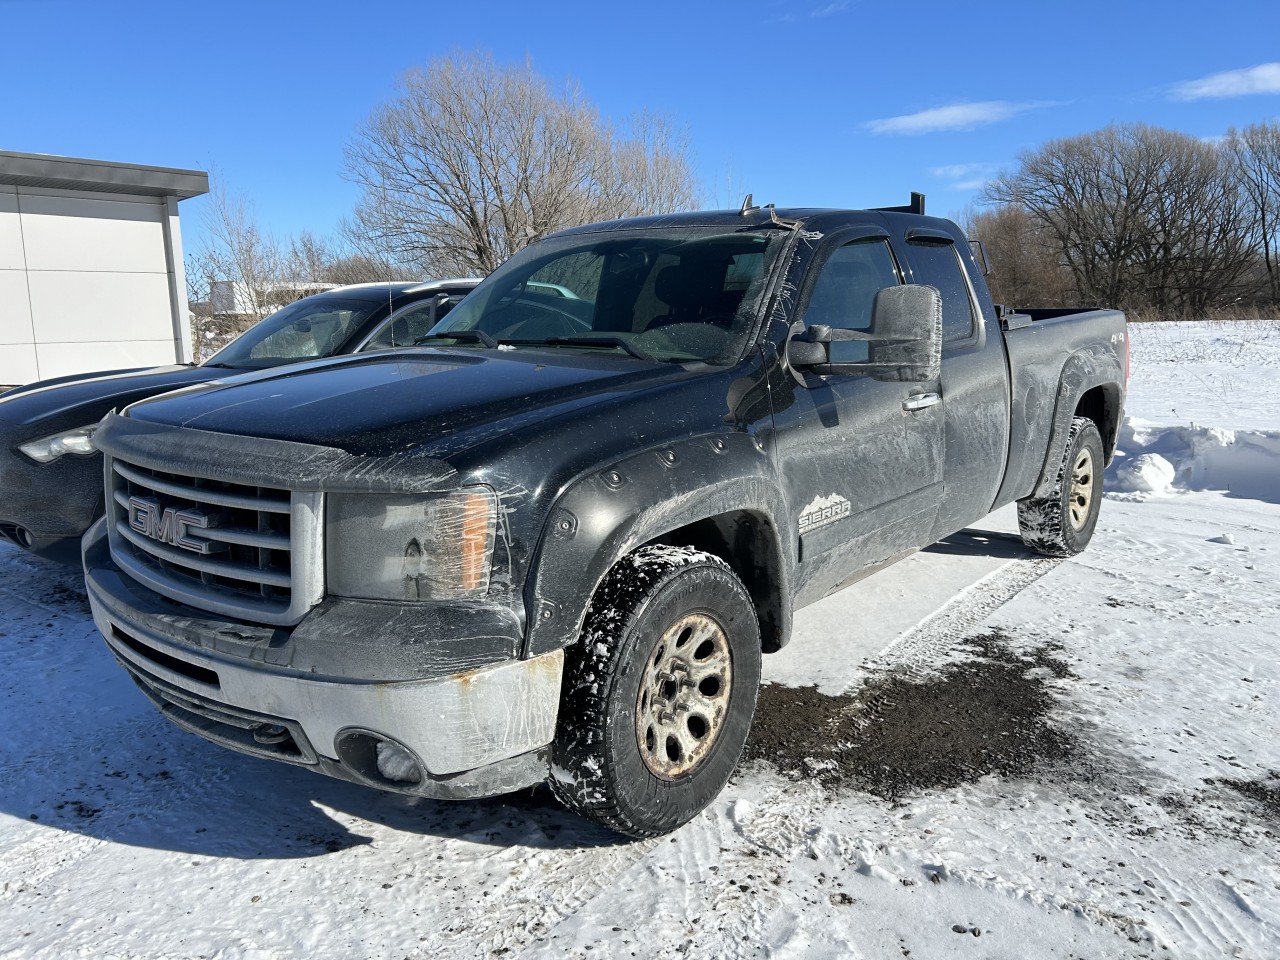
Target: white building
(232, 297)
(91, 273)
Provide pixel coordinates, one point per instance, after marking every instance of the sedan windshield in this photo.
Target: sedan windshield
(314, 327)
(679, 294)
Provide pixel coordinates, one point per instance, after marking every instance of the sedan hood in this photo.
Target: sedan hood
(86, 398)
(387, 403)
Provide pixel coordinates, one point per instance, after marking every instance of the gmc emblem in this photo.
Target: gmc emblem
(172, 526)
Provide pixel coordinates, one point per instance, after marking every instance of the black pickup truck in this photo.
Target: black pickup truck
(552, 542)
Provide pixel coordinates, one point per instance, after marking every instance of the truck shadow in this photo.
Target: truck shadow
(187, 796)
(971, 542)
(83, 752)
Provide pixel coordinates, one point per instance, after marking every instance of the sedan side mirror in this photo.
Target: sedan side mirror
(904, 343)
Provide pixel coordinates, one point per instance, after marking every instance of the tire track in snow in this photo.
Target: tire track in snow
(937, 633)
(704, 913)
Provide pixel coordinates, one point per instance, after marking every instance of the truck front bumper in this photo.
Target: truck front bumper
(479, 732)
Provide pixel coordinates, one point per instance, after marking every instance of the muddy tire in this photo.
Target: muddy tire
(1061, 524)
(658, 692)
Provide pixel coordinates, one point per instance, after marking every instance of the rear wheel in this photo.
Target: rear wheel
(1062, 523)
(659, 692)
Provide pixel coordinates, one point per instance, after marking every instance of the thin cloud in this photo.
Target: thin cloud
(815, 13)
(1264, 78)
(957, 116)
(958, 171)
(966, 176)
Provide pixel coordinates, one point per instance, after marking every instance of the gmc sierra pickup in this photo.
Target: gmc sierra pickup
(552, 542)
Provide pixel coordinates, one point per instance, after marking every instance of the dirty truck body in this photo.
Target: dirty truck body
(552, 542)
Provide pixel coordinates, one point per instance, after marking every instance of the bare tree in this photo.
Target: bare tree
(237, 273)
(472, 161)
(650, 170)
(1255, 151)
(1026, 265)
(234, 248)
(1142, 217)
(230, 270)
(1200, 252)
(307, 257)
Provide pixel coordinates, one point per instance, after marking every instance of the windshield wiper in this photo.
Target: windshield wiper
(470, 336)
(618, 342)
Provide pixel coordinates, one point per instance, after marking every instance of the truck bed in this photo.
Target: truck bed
(1036, 340)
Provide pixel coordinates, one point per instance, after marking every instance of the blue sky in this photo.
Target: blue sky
(806, 103)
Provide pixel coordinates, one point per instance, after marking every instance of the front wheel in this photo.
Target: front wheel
(659, 692)
(1061, 524)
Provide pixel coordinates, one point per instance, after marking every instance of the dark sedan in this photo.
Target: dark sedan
(50, 474)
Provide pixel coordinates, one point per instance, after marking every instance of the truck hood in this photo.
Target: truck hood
(87, 397)
(390, 403)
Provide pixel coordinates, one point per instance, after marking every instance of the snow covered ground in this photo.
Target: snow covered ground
(1004, 756)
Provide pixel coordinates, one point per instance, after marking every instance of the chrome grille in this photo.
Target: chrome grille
(249, 567)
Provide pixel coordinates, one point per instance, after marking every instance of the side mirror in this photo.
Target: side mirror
(904, 343)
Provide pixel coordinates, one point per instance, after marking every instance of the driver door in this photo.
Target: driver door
(862, 458)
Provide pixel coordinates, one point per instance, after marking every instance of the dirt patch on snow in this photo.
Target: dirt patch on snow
(70, 597)
(898, 734)
(1263, 792)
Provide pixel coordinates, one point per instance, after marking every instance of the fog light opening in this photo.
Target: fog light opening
(379, 760)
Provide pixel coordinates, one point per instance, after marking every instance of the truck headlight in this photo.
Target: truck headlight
(410, 547)
(47, 449)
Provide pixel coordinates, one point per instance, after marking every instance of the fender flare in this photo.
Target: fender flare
(607, 513)
(1087, 368)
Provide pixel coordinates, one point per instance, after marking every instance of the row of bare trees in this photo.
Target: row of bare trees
(1155, 221)
(239, 273)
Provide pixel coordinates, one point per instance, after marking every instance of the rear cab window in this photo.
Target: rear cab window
(937, 263)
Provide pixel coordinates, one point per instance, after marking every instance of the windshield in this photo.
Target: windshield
(312, 327)
(681, 294)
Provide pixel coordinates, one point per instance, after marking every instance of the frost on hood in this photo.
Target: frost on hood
(259, 461)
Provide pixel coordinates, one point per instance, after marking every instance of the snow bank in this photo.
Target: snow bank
(1188, 374)
(1152, 459)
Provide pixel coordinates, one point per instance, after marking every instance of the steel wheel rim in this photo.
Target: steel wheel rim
(1081, 496)
(684, 696)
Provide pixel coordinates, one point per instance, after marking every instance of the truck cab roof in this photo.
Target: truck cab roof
(821, 219)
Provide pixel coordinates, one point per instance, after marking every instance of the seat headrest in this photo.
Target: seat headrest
(686, 284)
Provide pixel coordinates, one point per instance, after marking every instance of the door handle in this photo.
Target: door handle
(920, 401)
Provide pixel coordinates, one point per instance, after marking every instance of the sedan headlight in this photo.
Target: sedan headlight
(410, 547)
(47, 449)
